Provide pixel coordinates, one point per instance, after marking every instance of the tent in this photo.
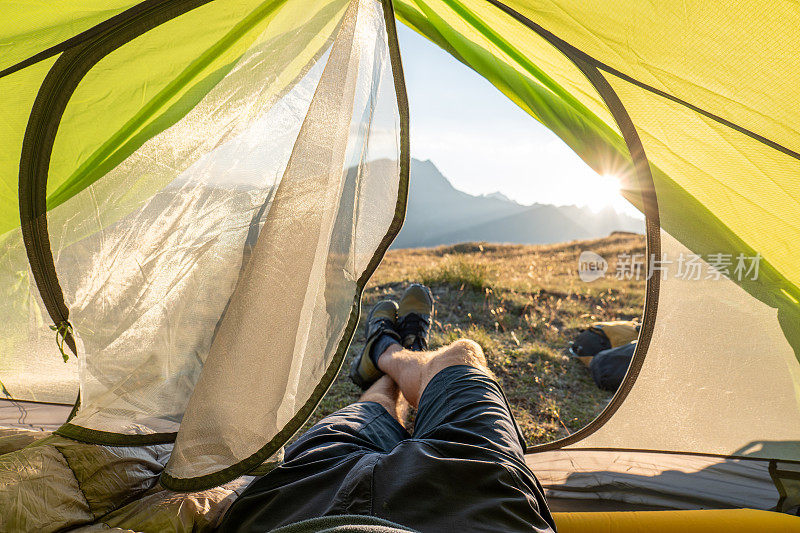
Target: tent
(194, 194)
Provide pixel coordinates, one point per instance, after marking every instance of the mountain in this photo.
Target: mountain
(497, 195)
(438, 214)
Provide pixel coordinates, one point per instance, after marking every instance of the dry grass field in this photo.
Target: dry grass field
(522, 304)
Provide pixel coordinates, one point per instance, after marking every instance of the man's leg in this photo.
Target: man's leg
(413, 370)
(329, 469)
(386, 393)
(373, 423)
(464, 403)
(466, 455)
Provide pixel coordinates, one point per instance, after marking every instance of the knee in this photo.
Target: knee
(464, 352)
(460, 352)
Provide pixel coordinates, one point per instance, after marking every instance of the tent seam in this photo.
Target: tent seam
(107, 25)
(77, 482)
(630, 79)
(673, 452)
(650, 207)
(55, 93)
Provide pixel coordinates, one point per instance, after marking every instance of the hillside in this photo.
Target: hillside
(439, 214)
(522, 304)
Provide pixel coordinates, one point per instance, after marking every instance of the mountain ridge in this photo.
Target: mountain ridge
(439, 214)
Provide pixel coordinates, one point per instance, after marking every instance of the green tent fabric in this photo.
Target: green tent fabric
(706, 130)
(159, 157)
(531, 61)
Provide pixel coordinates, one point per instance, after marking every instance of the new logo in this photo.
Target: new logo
(591, 266)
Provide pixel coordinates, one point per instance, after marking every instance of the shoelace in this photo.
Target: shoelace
(416, 325)
(382, 326)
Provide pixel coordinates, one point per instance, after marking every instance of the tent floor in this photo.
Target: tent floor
(571, 505)
(553, 472)
(33, 415)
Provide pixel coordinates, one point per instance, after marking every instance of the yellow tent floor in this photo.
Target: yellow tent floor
(707, 521)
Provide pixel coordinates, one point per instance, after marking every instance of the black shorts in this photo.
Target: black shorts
(463, 470)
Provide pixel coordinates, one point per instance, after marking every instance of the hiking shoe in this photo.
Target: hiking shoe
(380, 333)
(414, 317)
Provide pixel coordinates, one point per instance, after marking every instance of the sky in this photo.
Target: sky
(483, 143)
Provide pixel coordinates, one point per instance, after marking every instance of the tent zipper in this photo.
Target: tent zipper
(48, 108)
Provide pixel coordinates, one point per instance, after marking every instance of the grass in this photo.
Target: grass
(522, 304)
(458, 272)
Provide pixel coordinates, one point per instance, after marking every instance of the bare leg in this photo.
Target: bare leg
(386, 392)
(413, 370)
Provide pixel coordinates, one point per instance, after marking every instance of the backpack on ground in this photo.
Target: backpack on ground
(609, 367)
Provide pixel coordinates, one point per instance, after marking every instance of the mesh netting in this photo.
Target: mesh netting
(150, 254)
(212, 240)
(294, 302)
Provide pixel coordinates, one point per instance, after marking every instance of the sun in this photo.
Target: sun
(601, 191)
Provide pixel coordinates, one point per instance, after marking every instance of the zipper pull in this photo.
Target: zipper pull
(63, 329)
